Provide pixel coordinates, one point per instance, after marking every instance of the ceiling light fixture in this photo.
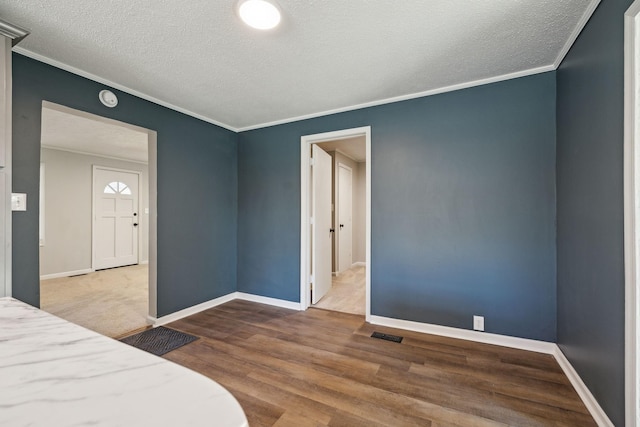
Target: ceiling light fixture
(259, 14)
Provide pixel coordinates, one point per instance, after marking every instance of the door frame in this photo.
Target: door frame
(93, 210)
(305, 203)
(337, 215)
(632, 211)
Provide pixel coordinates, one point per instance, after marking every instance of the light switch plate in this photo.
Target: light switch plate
(18, 201)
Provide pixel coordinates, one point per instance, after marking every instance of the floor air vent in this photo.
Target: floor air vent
(387, 337)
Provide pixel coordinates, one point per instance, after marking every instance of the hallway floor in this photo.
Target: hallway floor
(347, 292)
(111, 302)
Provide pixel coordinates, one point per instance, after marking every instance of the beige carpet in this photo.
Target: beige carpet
(347, 292)
(111, 302)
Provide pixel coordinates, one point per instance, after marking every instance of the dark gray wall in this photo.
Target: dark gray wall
(463, 207)
(590, 104)
(197, 186)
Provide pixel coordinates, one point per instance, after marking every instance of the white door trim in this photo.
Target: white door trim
(305, 228)
(632, 212)
(93, 209)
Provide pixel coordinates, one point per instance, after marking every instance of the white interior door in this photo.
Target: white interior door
(321, 226)
(115, 218)
(345, 215)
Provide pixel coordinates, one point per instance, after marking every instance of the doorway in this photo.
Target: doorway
(98, 220)
(343, 243)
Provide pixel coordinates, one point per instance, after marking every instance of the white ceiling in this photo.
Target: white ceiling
(328, 55)
(65, 129)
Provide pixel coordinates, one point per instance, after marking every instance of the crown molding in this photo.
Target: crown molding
(407, 97)
(15, 33)
(120, 87)
(576, 32)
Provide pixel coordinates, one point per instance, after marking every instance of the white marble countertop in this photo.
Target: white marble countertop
(55, 373)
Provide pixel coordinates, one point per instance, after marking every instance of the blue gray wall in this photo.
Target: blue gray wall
(197, 186)
(590, 206)
(463, 207)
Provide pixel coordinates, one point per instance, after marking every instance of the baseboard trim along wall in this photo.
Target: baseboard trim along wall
(464, 334)
(589, 401)
(218, 301)
(269, 301)
(191, 310)
(66, 274)
(482, 337)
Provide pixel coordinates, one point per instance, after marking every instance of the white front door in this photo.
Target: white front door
(115, 218)
(345, 214)
(321, 227)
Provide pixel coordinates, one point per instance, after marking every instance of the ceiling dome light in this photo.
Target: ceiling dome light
(259, 14)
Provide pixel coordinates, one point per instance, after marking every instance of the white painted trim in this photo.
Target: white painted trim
(95, 78)
(589, 401)
(305, 228)
(359, 264)
(86, 153)
(430, 92)
(42, 206)
(145, 262)
(189, 311)
(269, 301)
(631, 212)
(464, 334)
(66, 274)
(576, 32)
(6, 216)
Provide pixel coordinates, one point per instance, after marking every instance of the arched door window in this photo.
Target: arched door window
(117, 187)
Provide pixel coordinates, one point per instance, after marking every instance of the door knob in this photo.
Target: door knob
(331, 230)
(135, 224)
(341, 225)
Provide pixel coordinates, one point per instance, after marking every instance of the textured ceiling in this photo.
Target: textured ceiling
(65, 129)
(328, 55)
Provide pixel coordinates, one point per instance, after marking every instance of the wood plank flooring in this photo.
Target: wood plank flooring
(322, 368)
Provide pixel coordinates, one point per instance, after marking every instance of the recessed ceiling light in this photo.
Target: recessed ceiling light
(259, 14)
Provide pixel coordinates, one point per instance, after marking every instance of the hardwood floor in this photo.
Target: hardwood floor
(322, 368)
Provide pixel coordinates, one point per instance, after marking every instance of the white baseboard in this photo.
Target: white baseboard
(464, 334)
(583, 391)
(270, 301)
(191, 310)
(218, 301)
(145, 262)
(65, 274)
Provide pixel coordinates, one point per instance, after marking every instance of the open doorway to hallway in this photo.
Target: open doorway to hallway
(348, 218)
(336, 221)
(95, 222)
